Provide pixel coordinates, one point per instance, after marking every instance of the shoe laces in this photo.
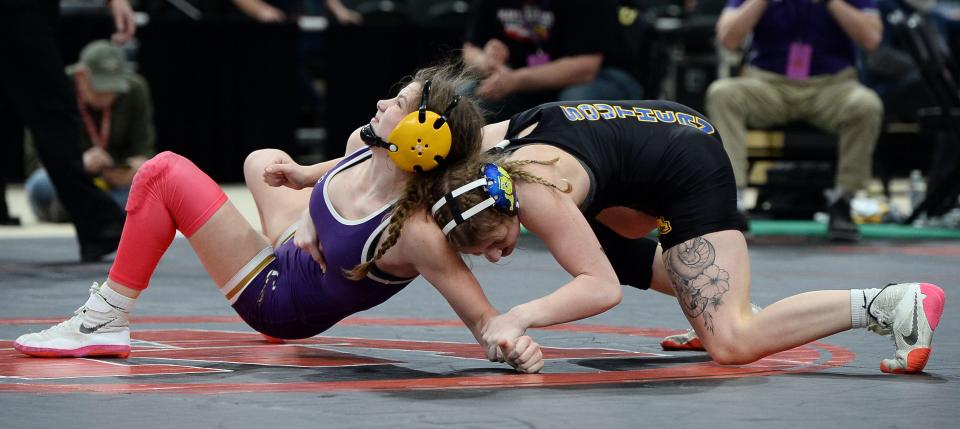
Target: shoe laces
(95, 288)
(883, 320)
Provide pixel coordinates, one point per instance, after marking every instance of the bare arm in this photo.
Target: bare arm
(474, 57)
(864, 27)
(487, 60)
(344, 14)
(493, 134)
(559, 73)
(735, 24)
(122, 20)
(559, 223)
(259, 10)
(424, 246)
(285, 172)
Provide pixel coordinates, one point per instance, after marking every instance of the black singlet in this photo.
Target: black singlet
(631, 149)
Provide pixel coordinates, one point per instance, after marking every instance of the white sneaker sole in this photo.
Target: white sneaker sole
(95, 350)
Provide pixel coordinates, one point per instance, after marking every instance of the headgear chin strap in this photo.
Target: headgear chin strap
(421, 140)
(499, 188)
(370, 138)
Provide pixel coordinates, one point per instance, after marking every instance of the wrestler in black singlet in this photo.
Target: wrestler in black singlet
(659, 157)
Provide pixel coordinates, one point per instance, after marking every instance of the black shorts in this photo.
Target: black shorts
(632, 259)
(695, 195)
(699, 195)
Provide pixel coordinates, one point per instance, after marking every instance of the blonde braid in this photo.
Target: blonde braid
(522, 162)
(465, 122)
(516, 172)
(412, 197)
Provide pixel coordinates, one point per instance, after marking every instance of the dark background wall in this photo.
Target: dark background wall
(223, 88)
(365, 63)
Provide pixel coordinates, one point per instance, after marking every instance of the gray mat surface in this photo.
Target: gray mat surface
(39, 281)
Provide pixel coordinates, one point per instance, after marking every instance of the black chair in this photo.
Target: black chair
(804, 164)
(939, 73)
(673, 49)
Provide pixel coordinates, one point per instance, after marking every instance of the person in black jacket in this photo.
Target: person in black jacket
(35, 93)
(535, 51)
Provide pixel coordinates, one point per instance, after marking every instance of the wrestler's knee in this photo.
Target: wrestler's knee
(257, 160)
(730, 347)
(147, 175)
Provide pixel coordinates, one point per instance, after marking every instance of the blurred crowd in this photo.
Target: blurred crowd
(838, 66)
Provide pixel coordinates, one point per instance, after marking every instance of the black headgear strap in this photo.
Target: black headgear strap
(455, 212)
(424, 97)
(372, 139)
(446, 113)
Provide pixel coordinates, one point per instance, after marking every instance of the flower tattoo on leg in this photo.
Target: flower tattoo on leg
(700, 284)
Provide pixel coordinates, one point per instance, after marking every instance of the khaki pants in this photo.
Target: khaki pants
(837, 104)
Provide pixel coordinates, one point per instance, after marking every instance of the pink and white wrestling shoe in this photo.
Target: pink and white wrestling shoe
(910, 312)
(96, 329)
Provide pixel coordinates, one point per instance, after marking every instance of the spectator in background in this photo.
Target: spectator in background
(801, 68)
(34, 93)
(535, 51)
(117, 116)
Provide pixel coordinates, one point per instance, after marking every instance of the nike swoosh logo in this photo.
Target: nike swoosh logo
(912, 338)
(86, 330)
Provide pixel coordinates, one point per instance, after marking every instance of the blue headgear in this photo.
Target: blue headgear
(499, 188)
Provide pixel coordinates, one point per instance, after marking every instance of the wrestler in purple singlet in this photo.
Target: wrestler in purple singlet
(291, 297)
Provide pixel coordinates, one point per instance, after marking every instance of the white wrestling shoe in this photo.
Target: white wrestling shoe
(910, 312)
(96, 329)
(689, 340)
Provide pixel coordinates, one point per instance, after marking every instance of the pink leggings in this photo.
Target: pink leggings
(168, 193)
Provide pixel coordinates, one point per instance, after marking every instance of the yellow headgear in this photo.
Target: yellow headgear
(421, 140)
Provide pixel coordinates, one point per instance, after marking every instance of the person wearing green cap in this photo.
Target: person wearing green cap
(34, 94)
(117, 133)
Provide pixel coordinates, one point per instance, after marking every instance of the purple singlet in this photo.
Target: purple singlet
(292, 298)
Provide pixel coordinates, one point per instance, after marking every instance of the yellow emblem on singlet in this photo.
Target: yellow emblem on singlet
(664, 226)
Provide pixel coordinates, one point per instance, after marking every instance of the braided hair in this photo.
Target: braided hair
(465, 121)
(478, 227)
